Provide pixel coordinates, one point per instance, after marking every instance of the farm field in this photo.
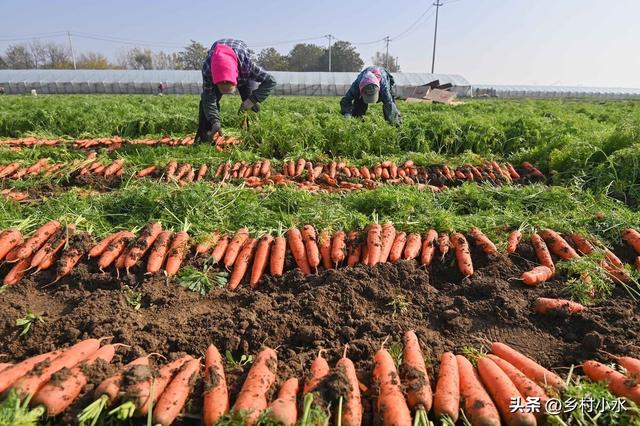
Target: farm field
(210, 223)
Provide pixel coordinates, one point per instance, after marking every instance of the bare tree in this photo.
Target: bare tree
(136, 59)
(165, 61)
(93, 61)
(18, 56)
(381, 60)
(58, 56)
(38, 53)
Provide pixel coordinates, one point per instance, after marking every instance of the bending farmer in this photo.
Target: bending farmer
(228, 67)
(373, 85)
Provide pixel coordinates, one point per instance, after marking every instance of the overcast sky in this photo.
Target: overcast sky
(562, 42)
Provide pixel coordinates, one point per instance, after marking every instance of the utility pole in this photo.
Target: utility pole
(437, 4)
(329, 36)
(386, 58)
(73, 55)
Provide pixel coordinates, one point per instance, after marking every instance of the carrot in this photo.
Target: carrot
(57, 395)
(478, 406)
(391, 405)
(446, 400)
(147, 237)
(215, 401)
(531, 169)
(542, 252)
(412, 247)
(296, 245)
(113, 167)
(182, 171)
(414, 374)
(9, 376)
(308, 234)
(632, 365)
(537, 275)
(352, 409)
(38, 239)
(300, 166)
(283, 409)
(99, 248)
(463, 255)
(260, 260)
(632, 237)
(177, 251)
(176, 393)
(220, 249)
(374, 243)
(17, 272)
(324, 243)
(170, 170)
(9, 170)
(529, 367)
(253, 394)
(31, 383)
(617, 275)
(338, 248)
(48, 258)
(318, 371)
(241, 264)
(364, 171)
(8, 241)
(234, 247)
(158, 252)
(387, 238)
(557, 244)
(513, 241)
(206, 244)
(619, 384)
(545, 306)
(265, 168)
(443, 244)
(428, 247)
(146, 171)
(502, 390)
(399, 242)
(482, 241)
(202, 171)
(636, 263)
(527, 387)
(76, 249)
(354, 248)
(277, 258)
(114, 249)
(581, 243)
(110, 387)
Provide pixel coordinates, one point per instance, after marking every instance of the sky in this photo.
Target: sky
(566, 42)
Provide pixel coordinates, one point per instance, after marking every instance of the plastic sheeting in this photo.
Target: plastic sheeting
(185, 82)
(551, 92)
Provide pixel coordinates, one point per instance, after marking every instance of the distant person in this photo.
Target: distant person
(161, 88)
(373, 85)
(1, 90)
(227, 68)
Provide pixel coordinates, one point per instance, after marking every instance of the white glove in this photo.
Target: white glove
(247, 104)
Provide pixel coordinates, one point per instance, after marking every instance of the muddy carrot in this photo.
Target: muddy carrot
(99, 248)
(513, 241)
(114, 249)
(38, 239)
(284, 409)
(141, 391)
(354, 248)
(8, 241)
(399, 242)
(478, 406)
(234, 247)
(412, 246)
(632, 365)
(463, 255)
(241, 264)
(428, 249)
(260, 260)
(542, 252)
(308, 234)
(220, 249)
(158, 252)
(318, 371)
(387, 238)
(632, 237)
(352, 407)
(253, 394)
(546, 306)
(619, 384)
(446, 400)
(324, 243)
(12, 374)
(215, 402)
(277, 257)
(205, 245)
(391, 405)
(529, 367)
(170, 170)
(338, 248)
(582, 244)
(202, 171)
(176, 393)
(177, 251)
(77, 248)
(48, 259)
(300, 166)
(537, 275)
(17, 272)
(414, 374)
(557, 244)
(617, 275)
(296, 245)
(374, 243)
(147, 237)
(146, 171)
(364, 171)
(265, 168)
(111, 386)
(482, 241)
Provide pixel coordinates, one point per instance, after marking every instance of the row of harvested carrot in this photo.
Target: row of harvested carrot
(485, 393)
(241, 253)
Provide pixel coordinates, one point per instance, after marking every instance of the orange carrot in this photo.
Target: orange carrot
(557, 244)
(542, 252)
(446, 400)
(202, 171)
(57, 395)
(374, 243)
(513, 241)
(294, 239)
(206, 244)
(636, 263)
(399, 242)
(234, 247)
(502, 391)
(412, 247)
(241, 264)
(147, 237)
(147, 171)
(632, 365)
(619, 384)
(220, 249)
(354, 248)
(113, 167)
(176, 393)
(537, 275)
(283, 409)
(443, 244)
(17, 272)
(352, 407)
(111, 386)
(632, 237)
(463, 255)
(318, 371)
(582, 244)
(482, 241)
(428, 249)
(252, 398)
(51, 248)
(545, 306)
(529, 367)
(308, 234)
(76, 249)
(277, 258)
(38, 239)
(8, 241)
(215, 402)
(387, 239)
(324, 243)
(140, 392)
(414, 374)
(4, 366)
(391, 405)
(158, 252)
(338, 248)
(478, 406)
(260, 260)
(99, 248)
(177, 251)
(617, 275)
(114, 249)
(9, 376)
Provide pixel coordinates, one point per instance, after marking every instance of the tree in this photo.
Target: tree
(57, 56)
(136, 59)
(93, 61)
(305, 57)
(165, 61)
(38, 53)
(192, 57)
(343, 58)
(18, 57)
(380, 59)
(272, 60)
(3, 63)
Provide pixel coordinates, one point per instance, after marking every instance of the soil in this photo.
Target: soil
(298, 316)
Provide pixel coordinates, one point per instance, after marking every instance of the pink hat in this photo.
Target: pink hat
(224, 65)
(367, 79)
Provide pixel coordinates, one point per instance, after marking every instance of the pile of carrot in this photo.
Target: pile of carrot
(28, 142)
(45, 168)
(182, 173)
(14, 195)
(115, 142)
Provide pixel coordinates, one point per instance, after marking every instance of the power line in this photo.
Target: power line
(27, 37)
(414, 23)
